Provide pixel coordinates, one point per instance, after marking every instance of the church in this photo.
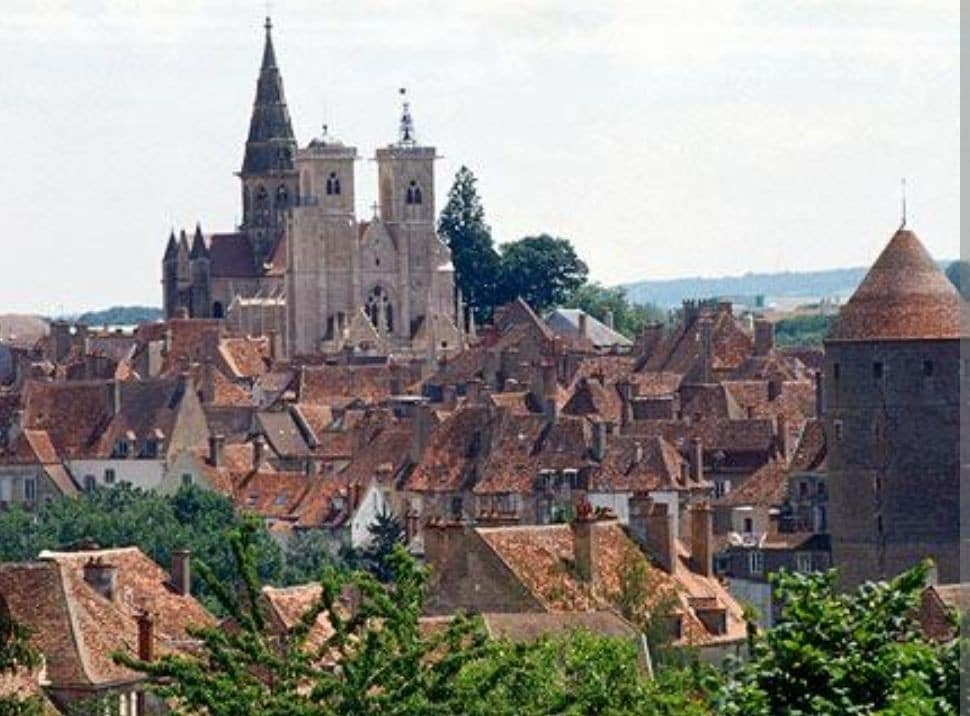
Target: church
(301, 264)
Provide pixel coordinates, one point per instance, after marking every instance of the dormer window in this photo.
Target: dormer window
(413, 195)
(121, 449)
(333, 184)
(150, 448)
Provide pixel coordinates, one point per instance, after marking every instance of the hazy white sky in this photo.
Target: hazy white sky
(664, 138)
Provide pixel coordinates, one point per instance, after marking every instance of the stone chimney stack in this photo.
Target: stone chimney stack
(764, 337)
(819, 402)
(208, 381)
(102, 577)
(583, 325)
(599, 440)
(697, 460)
(702, 539)
(625, 388)
(706, 331)
(217, 445)
(550, 392)
(259, 451)
(652, 526)
(420, 432)
(182, 571)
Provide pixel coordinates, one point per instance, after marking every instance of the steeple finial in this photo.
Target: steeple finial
(407, 137)
(902, 184)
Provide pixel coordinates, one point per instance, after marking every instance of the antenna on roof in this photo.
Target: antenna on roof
(903, 190)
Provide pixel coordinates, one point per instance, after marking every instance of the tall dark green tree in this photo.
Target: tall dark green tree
(386, 533)
(544, 270)
(462, 225)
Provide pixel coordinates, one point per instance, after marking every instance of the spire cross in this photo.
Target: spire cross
(903, 188)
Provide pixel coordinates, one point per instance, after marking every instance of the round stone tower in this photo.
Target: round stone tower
(892, 419)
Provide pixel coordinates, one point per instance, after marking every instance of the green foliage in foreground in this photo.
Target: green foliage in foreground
(831, 653)
(389, 663)
(16, 654)
(834, 653)
(123, 516)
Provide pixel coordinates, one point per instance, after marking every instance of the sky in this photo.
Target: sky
(664, 139)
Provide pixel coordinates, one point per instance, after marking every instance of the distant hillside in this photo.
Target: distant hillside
(794, 284)
(120, 316)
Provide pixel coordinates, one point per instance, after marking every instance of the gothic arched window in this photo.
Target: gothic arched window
(413, 195)
(333, 184)
(217, 310)
(261, 205)
(379, 310)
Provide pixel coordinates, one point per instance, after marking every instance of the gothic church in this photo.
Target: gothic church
(302, 264)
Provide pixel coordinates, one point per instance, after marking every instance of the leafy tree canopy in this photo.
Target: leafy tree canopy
(544, 270)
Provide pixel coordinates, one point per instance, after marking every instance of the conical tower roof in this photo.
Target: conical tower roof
(199, 250)
(271, 145)
(171, 248)
(905, 296)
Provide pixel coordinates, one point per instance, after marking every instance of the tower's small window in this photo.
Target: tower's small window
(839, 429)
(927, 369)
(877, 370)
(333, 184)
(413, 195)
(282, 197)
(835, 372)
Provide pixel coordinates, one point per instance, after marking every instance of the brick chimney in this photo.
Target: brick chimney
(583, 541)
(697, 460)
(702, 538)
(101, 577)
(625, 388)
(146, 636)
(182, 571)
(217, 445)
(781, 427)
(652, 526)
(764, 336)
(819, 403)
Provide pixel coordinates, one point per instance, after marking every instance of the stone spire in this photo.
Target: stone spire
(271, 145)
(171, 249)
(199, 250)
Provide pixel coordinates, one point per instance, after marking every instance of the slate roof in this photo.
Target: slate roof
(565, 322)
(905, 296)
(232, 256)
(451, 452)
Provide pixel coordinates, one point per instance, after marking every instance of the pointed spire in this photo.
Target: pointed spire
(270, 146)
(903, 189)
(199, 250)
(171, 248)
(407, 137)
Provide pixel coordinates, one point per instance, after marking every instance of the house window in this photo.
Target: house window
(748, 525)
(456, 507)
(121, 449)
(109, 476)
(820, 490)
(186, 479)
(803, 562)
(30, 489)
(927, 369)
(802, 489)
(839, 430)
(756, 562)
(877, 370)
(90, 483)
(821, 519)
(150, 449)
(721, 487)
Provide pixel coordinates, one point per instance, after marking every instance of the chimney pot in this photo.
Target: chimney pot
(702, 538)
(217, 445)
(583, 325)
(652, 525)
(259, 451)
(764, 337)
(146, 637)
(697, 459)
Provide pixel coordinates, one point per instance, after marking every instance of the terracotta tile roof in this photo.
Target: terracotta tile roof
(283, 434)
(383, 457)
(531, 626)
(452, 449)
(680, 350)
(289, 604)
(149, 409)
(765, 487)
(273, 494)
(711, 401)
(74, 414)
(811, 452)
(514, 401)
(244, 357)
(809, 356)
(336, 384)
(228, 394)
(317, 417)
(522, 445)
(730, 436)
(655, 384)
(77, 629)
(638, 465)
(34, 447)
(905, 296)
(590, 397)
(543, 560)
(320, 507)
(461, 368)
(605, 369)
